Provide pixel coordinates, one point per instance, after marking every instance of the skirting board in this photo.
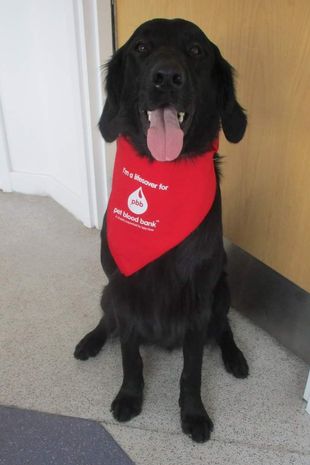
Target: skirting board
(40, 184)
(270, 300)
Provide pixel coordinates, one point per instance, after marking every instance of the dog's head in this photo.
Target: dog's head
(170, 91)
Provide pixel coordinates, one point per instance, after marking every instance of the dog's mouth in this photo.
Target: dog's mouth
(165, 128)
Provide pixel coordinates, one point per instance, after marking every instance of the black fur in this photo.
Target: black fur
(182, 298)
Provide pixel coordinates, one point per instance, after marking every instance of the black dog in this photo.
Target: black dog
(181, 298)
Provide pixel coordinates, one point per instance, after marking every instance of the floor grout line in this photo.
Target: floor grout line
(266, 447)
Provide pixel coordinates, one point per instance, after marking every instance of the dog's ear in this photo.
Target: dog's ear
(233, 117)
(109, 123)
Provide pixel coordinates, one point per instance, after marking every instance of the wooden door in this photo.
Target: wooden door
(266, 184)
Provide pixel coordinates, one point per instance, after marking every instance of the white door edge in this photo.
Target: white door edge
(90, 60)
(95, 46)
(6, 184)
(307, 394)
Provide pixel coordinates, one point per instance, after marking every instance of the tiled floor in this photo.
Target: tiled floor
(49, 297)
(28, 437)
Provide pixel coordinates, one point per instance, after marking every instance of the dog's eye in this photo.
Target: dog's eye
(195, 50)
(142, 48)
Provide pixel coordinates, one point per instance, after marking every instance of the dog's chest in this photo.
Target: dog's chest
(163, 311)
(155, 205)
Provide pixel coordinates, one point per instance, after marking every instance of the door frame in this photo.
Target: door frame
(5, 168)
(94, 36)
(307, 394)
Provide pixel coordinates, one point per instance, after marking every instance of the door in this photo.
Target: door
(266, 188)
(51, 100)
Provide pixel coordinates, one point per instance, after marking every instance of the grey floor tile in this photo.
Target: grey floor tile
(34, 438)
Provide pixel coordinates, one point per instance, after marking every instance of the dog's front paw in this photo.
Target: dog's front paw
(90, 345)
(236, 364)
(125, 406)
(197, 426)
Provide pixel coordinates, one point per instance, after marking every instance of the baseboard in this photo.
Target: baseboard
(270, 300)
(40, 184)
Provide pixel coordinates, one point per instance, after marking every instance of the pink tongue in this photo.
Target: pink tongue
(164, 136)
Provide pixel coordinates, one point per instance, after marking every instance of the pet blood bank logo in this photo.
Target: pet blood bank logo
(137, 203)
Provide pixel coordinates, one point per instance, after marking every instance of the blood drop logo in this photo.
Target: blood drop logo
(137, 203)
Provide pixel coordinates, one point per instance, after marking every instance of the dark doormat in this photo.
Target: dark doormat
(35, 438)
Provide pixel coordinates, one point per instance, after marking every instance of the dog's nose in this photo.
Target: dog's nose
(168, 77)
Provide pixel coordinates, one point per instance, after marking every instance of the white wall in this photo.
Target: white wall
(49, 124)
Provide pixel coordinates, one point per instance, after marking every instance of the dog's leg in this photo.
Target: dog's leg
(128, 402)
(92, 343)
(234, 360)
(194, 418)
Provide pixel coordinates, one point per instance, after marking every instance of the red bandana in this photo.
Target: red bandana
(155, 205)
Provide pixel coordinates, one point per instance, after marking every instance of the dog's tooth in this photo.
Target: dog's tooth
(149, 115)
(181, 116)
